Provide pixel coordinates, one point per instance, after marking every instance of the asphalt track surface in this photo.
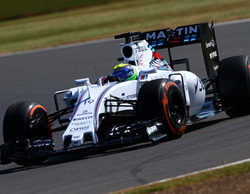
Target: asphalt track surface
(37, 75)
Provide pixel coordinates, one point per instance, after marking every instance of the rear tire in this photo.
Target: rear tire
(234, 85)
(26, 122)
(163, 99)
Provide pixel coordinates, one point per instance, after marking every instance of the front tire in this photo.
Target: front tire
(25, 122)
(163, 99)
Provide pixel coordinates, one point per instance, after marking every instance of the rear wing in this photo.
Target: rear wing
(181, 36)
(186, 35)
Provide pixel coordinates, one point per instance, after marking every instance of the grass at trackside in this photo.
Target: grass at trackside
(103, 21)
(16, 8)
(192, 179)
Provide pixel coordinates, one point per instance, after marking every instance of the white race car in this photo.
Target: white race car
(144, 99)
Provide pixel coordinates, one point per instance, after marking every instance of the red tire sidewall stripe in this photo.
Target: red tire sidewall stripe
(36, 107)
(40, 106)
(165, 104)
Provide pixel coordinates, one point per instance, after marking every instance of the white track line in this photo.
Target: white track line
(190, 174)
(97, 41)
(233, 22)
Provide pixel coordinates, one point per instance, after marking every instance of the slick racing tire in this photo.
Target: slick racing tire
(163, 99)
(26, 122)
(234, 85)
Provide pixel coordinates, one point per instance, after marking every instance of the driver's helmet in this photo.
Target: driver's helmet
(125, 72)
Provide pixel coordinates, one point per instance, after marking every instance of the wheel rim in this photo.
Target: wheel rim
(176, 109)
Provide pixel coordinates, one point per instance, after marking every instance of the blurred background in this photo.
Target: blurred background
(29, 24)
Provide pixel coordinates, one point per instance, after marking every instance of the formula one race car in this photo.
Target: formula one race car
(144, 99)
